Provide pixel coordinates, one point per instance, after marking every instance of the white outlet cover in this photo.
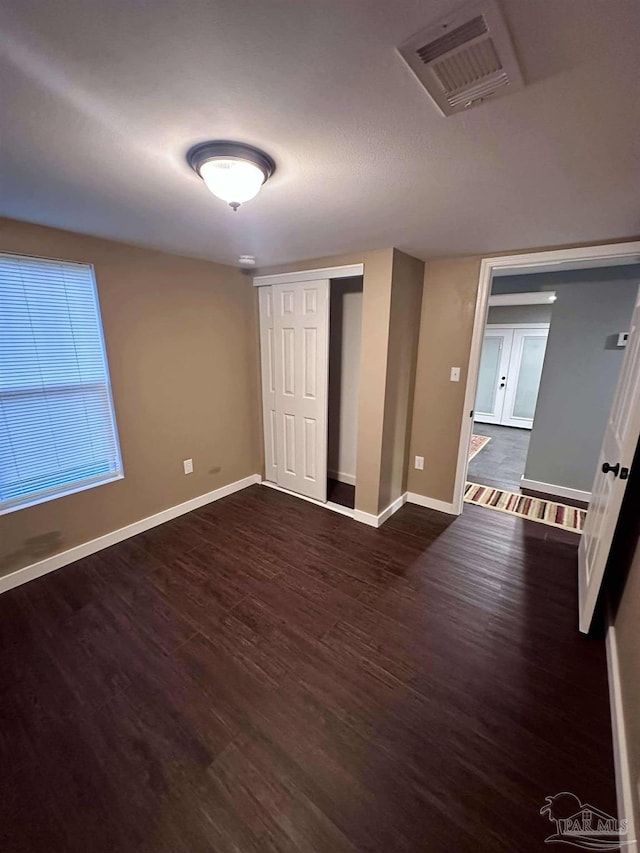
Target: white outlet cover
(455, 374)
(188, 466)
(419, 463)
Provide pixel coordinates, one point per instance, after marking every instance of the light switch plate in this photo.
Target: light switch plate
(188, 466)
(455, 374)
(419, 463)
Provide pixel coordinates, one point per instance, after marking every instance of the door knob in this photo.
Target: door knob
(611, 469)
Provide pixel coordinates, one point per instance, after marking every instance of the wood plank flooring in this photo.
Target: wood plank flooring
(341, 493)
(265, 675)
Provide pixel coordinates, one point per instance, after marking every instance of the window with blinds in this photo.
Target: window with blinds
(57, 426)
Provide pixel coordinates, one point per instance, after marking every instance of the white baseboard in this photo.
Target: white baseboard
(379, 520)
(393, 507)
(431, 503)
(355, 514)
(341, 477)
(556, 491)
(57, 561)
(365, 518)
(624, 785)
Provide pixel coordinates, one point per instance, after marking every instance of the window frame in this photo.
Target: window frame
(64, 490)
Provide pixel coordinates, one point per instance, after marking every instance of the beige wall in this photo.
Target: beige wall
(180, 339)
(446, 325)
(404, 327)
(448, 308)
(376, 306)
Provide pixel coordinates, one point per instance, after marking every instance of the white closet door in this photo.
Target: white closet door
(523, 378)
(492, 378)
(301, 332)
(267, 358)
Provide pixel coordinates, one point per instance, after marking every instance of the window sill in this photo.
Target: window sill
(72, 490)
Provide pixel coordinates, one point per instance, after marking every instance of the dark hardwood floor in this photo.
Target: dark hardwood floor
(341, 493)
(265, 675)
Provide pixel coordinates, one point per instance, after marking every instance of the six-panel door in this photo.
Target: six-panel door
(614, 463)
(300, 379)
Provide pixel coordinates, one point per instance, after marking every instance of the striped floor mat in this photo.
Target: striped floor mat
(534, 509)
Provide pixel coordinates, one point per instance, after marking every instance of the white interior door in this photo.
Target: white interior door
(492, 377)
(267, 360)
(523, 377)
(301, 333)
(614, 462)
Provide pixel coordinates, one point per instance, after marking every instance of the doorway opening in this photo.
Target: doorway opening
(618, 403)
(551, 354)
(511, 362)
(345, 322)
(310, 334)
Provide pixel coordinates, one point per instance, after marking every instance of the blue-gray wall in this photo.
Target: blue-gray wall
(580, 370)
(520, 314)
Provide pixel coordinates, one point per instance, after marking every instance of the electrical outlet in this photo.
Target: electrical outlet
(419, 463)
(188, 466)
(455, 374)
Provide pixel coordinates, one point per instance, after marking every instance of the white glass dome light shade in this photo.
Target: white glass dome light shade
(232, 180)
(233, 171)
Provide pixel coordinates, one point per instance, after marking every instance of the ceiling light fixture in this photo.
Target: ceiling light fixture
(234, 172)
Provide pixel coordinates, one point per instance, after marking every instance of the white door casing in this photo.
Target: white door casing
(268, 370)
(492, 378)
(525, 369)
(301, 333)
(618, 447)
(556, 260)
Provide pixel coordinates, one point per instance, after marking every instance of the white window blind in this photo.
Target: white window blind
(57, 427)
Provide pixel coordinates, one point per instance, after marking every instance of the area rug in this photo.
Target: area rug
(477, 443)
(533, 509)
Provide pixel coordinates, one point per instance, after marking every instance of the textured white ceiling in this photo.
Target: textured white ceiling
(101, 100)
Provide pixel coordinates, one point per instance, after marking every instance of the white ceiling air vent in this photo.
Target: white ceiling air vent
(465, 58)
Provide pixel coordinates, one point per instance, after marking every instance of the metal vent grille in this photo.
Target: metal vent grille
(456, 38)
(466, 67)
(476, 94)
(465, 58)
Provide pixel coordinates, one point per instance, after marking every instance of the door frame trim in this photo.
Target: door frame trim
(540, 297)
(556, 260)
(303, 276)
(518, 326)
